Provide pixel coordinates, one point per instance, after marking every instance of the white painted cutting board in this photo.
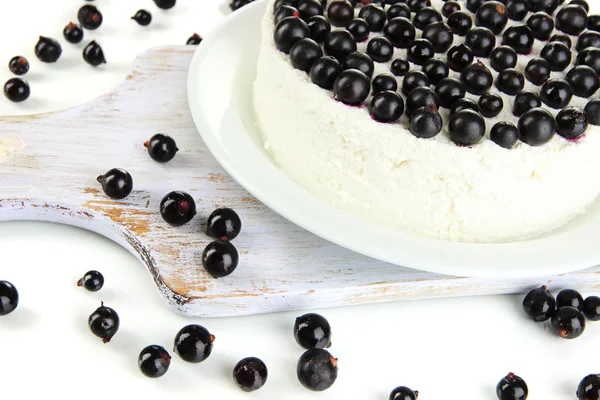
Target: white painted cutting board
(49, 164)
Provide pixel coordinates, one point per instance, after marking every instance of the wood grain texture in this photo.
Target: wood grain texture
(49, 164)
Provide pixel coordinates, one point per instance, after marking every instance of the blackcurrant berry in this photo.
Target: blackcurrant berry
(116, 183)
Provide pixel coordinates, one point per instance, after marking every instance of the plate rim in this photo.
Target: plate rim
(435, 264)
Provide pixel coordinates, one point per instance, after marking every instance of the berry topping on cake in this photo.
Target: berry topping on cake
(398, 10)
(571, 122)
(420, 51)
(490, 104)
(386, 106)
(463, 104)
(541, 25)
(421, 97)
(383, 82)
(361, 62)
(537, 71)
(481, 41)
(374, 16)
(547, 6)
(466, 128)
(460, 23)
(284, 12)
(339, 44)
(449, 7)
(436, 70)
(504, 134)
(400, 66)
(571, 19)
(517, 9)
(589, 57)
(583, 80)
(440, 35)
(492, 15)
(525, 101)
(510, 81)
(459, 57)
(564, 39)
(449, 92)
(288, 31)
(380, 49)
(340, 13)
(519, 37)
(588, 39)
(319, 28)
(304, 53)
(503, 57)
(557, 54)
(477, 78)
(556, 93)
(426, 16)
(325, 71)
(536, 127)
(359, 29)
(352, 87)
(413, 79)
(309, 8)
(592, 110)
(425, 122)
(400, 32)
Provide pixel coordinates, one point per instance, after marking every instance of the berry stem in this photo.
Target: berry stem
(80, 282)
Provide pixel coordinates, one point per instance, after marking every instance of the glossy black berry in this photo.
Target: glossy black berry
(536, 127)
(48, 50)
(309, 8)
(583, 80)
(512, 387)
(594, 23)
(224, 224)
(165, 4)
(525, 101)
(93, 54)
(463, 104)
(92, 281)
(319, 28)
(250, 374)
(400, 32)
(339, 44)
(416, 5)
(569, 298)
(288, 31)
(312, 331)
(194, 40)
(73, 33)
(359, 61)
(89, 17)
(436, 70)
(425, 122)
(520, 38)
(481, 41)
(466, 128)
(568, 322)
(279, 3)
(589, 57)
(564, 39)
(374, 16)
(557, 54)
(220, 258)
(460, 22)
(352, 87)
(547, 6)
(504, 134)
(571, 19)
(177, 208)
(517, 10)
(473, 5)
(317, 369)
(17, 90)
(556, 93)
(459, 57)
(426, 16)
(359, 29)
(116, 183)
(439, 35)
(304, 53)
(492, 15)
(588, 39)
(413, 79)
(9, 298)
(161, 148)
(537, 71)
(591, 308)
(403, 393)
(420, 97)
(154, 361)
(582, 3)
(325, 71)
(541, 25)
(450, 7)
(592, 110)
(589, 388)
(193, 343)
(104, 323)
(340, 13)
(571, 123)
(449, 91)
(510, 81)
(400, 66)
(18, 65)
(142, 17)
(386, 106)
(237, 4)
(284, 12)
(490, 105)
(420, 51)
(380, 49)
(383, 82)
(539, 304)
(477, 78)
(503, 57)
(398, 10)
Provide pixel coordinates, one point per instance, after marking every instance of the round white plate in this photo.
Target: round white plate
(220, 97)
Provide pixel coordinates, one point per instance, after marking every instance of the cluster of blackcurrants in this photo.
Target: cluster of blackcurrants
(567, 313)
(49, 50)
(220, 257)
(333, 62)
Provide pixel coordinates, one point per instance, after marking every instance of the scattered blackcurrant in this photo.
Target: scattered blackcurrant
(154, 361)
(193, 343)
(104, 323)
(250, 374)
(116, 183)
(92, 281)
(177, 208)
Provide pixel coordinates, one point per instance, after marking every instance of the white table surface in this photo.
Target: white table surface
(446, 349)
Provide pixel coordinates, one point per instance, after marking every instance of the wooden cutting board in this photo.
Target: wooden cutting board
(49, 164)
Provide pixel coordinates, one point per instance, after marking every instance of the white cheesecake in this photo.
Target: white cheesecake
(430, 187)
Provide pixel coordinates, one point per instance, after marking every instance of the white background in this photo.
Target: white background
(446, 349)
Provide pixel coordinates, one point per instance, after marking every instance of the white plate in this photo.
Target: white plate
(220, 98)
